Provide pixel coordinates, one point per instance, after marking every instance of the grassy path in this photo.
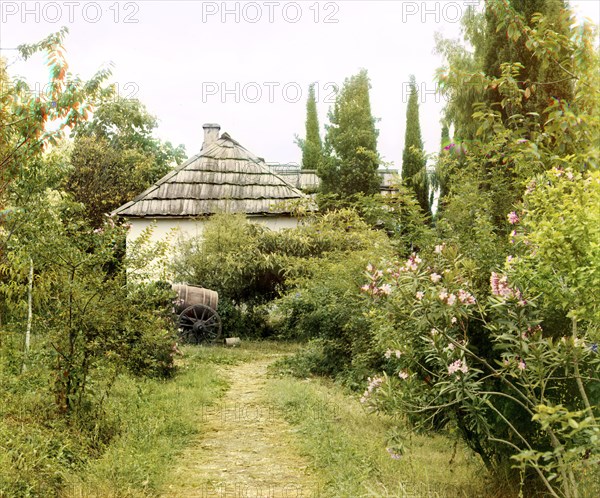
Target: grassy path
(223, 427)
(246, 447)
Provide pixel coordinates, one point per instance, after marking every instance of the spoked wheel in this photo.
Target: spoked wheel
(199, 323)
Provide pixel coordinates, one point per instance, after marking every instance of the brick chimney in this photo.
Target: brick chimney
(211, 134)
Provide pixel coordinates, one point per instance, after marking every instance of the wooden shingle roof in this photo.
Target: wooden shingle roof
(223, 178)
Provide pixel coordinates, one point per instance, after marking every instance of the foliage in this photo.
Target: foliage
(541, 72)
(321, 302)
(115, 157)
(103, 178)
(399, 215)
(250, 265)
(312, 146)
(351, 161)
(556, 238)
(519, 187)
(486, 176)
(414, 162)
(490, 368)
(227, 258)
(24, 131)
(88, 312)
(439, 177)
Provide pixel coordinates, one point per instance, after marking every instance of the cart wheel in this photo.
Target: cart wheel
(199, 323)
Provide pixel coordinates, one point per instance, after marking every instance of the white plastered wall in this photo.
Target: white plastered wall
(172, 230)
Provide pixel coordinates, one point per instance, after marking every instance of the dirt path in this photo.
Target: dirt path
(246, 450)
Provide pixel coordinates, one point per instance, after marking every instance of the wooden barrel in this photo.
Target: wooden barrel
(188, 295)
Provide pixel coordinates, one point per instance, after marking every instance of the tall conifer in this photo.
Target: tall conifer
(312, 147)
(351, 142)
(414, 170)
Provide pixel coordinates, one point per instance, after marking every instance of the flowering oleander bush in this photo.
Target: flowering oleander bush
(514, 367)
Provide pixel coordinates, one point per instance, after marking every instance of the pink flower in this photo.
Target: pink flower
(374, 384)
(451, 347)
(439, 249)
(451, 299)
(365, 288)
(435, 278)
(388, 354)
(513, 218)
(443, 294)
(398, 353)
(458, 365)
(420, 295)
(522, 365)
(454, 320)
(434, 331)
(465, 297)
(500, 286)
(403, 374)
(385, 289)
(412, 262)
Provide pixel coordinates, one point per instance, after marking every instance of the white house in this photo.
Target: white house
(223, 178)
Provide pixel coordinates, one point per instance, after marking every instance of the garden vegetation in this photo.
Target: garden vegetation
(478, 319)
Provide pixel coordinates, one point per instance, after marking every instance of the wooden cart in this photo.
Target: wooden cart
(198, 320)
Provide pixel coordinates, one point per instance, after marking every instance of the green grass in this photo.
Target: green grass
(347, 447)
(159, 419)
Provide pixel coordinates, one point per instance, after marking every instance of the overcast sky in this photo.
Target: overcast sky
(247, 65)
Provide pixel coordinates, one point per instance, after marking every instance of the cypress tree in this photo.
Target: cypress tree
(414, 169)
(312, 147)
(351, 142)
(439, 180)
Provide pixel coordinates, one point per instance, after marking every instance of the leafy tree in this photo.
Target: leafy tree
(508, 117)
(351, 142)
(82, 319)
(503, 45)
(24, 119)
(312, 146)
(414, 163)
(542, 77)
(115, 157)
(103, 178)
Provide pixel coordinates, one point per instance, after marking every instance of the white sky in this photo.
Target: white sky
(192, 62)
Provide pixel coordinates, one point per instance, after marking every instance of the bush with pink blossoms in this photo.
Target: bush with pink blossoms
(484, 363)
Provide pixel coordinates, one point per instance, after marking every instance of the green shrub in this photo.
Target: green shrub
(516, 392)
(250, 266)
(322, 302)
